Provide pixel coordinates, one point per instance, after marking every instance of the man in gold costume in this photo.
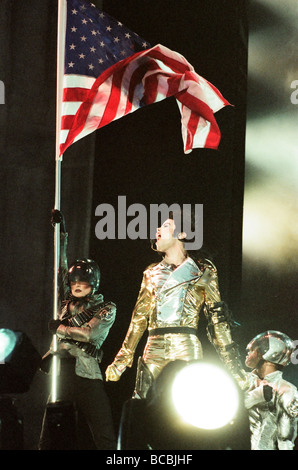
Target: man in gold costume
(172, 294)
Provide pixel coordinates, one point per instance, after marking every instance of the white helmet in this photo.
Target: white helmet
(274, 346)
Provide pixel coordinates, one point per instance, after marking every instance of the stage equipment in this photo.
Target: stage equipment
(19, 361)
(60, 423)
(196, 399)
(11, 425)
(216, 417)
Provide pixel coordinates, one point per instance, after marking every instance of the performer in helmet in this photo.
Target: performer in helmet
(83, 325)
(271, 401)
(172, 294)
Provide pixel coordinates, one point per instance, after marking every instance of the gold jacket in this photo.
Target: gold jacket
(174, 297)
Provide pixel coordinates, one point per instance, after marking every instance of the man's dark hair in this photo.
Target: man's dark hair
(200, 254)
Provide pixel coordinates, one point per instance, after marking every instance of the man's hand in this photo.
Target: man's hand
(113, 373)
(58, 218)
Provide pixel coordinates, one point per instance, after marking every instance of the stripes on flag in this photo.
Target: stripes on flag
(144, 78)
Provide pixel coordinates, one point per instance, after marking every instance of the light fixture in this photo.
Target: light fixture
(19, 361)
(216, 418)
(205, 396)
(8, 340)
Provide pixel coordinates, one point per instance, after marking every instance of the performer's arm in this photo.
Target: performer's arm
(219, 327)
(292, 407)
(58, 218)
(287, 419)
(137, 326)
(96, 329)
(258, 395)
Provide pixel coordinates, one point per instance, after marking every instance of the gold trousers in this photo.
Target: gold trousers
(159, 351)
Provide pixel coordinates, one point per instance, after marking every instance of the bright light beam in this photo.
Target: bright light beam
(205, 396)
(8, 341)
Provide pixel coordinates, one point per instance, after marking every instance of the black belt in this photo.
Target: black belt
(173, 330)
(88, 348)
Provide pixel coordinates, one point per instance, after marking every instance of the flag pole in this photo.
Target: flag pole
(61, 28)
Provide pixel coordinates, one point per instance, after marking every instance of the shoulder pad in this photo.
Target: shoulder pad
(208, 264)
(151, 266)
(107, 310)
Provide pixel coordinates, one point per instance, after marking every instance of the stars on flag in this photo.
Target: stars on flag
(96, 41)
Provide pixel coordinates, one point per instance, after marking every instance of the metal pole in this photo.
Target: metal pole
(55, 361)
(61, 28)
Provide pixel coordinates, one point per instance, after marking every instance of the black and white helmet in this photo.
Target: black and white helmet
(85, 270)
(274, 346)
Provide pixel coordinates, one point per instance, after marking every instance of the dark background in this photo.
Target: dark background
(140, 157)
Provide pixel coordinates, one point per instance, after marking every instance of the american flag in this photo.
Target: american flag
(110, 71)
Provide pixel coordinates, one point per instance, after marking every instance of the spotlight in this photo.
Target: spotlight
(19, 361)
(190, 406)
(196, 396)
(8, 341)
